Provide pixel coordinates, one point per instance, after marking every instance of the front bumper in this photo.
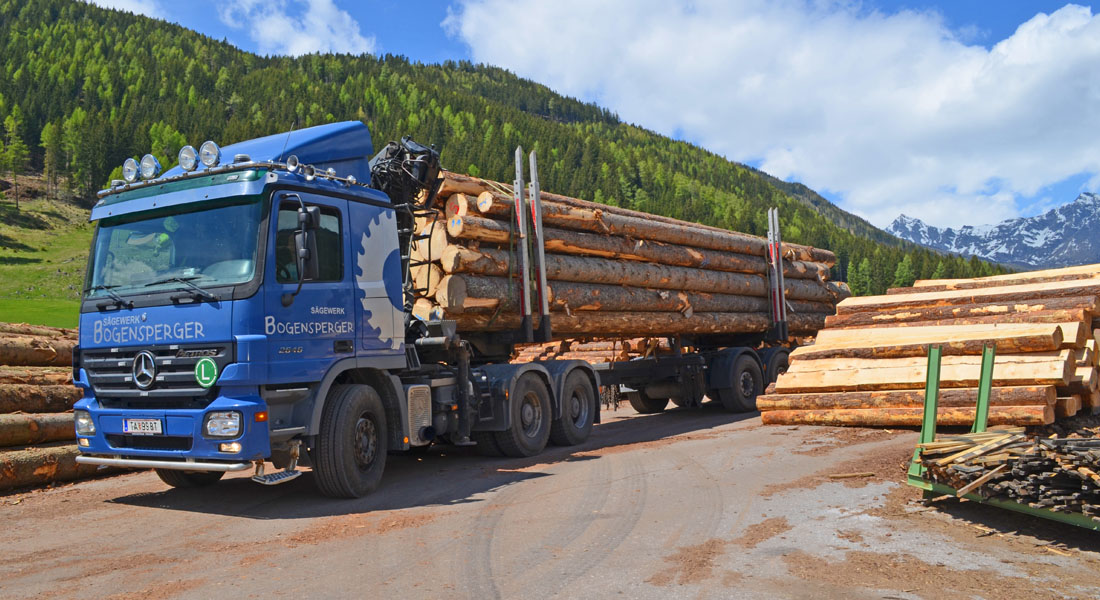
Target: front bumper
(182, 445)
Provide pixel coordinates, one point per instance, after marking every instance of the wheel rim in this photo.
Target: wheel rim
(530, 415)
(578, 410)
(748, 385)
(366, 441)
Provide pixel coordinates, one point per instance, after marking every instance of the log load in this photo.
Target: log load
(870, 359)
(611, 272)
(35, 350)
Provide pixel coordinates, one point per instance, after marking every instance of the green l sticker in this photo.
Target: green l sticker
(206, 372)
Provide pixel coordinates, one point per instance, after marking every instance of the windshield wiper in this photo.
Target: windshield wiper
(122, 302)
(196, 290)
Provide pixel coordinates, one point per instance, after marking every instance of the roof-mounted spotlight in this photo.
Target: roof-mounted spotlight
(150, 166)
(210, 154)
(188, 158)
(130, 170)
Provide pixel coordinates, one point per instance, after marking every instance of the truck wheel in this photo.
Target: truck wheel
(530, 429)
(351, 448)
(646, 405)
(748, 383)
(578, 410)
(778, 364)
(189, 479)
(486, 444)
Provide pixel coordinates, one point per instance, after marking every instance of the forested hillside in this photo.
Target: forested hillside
(83, 88)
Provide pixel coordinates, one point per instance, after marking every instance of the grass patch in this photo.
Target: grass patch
(56, 313)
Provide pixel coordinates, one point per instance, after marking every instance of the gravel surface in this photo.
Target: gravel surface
(689, 503)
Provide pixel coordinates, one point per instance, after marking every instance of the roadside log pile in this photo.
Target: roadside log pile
(36, 401)
(1051, 471)
(610, 271)
(868, 366)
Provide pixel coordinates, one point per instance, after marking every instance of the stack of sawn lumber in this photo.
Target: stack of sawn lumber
(611, 271)
(1045, 471)
(36, 401)
(593, 350)
(868, 366)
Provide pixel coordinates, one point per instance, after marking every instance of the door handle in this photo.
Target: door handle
(343, 346)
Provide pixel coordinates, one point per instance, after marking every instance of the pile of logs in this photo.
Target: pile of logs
(36, 400)
(593, 350)
(1045, 471)
(612, 272)
(868, 366)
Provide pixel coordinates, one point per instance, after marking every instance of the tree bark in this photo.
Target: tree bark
(1017, 343)
(844, 375)
(27, 429)
(36, 351)
(1019, 293)
(42, 465)
(36, 375)
(1047, 275)
(631, 324)
(909, 417)
(23, 329)
(985, 315)
(957, 397)
(21, 397)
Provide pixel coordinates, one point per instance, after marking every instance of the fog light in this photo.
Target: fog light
(230, 448)
(83, 442)
(223, 424)
(84, 423)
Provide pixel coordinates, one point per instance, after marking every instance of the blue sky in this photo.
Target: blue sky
(945, 110)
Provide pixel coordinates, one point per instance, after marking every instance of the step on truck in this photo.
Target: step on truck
(252, 307)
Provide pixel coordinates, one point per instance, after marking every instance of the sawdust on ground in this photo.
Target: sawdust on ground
(691, 564)
(763, 531)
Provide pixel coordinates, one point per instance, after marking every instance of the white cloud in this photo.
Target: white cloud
(296, 27)
(893, 112)
(149, 8)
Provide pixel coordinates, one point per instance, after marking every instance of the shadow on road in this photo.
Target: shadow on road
(440, 476)
(997, 521)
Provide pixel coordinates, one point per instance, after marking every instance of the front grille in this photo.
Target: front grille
(110, 373)
(149, 442)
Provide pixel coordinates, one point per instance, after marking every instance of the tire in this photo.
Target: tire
(486, 444)
(646, 405)
(189, 479)
(778, 364)
(578, 411)
(353, 442)
(748, 383)
(530, 427)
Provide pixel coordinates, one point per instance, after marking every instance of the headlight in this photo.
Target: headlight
(188, 158)
(84, 423)
(129, 170)
(150, 166)
(223, 424)
(210, 154)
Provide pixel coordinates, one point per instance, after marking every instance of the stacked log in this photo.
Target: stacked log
(611, 272)
(1047, 470)
(868, 365)
(36, 400)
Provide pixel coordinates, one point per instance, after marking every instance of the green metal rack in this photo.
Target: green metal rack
(931, 489)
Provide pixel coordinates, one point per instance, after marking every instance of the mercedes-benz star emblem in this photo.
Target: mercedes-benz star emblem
(144, 369)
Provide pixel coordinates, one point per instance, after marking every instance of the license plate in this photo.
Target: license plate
(142, 426)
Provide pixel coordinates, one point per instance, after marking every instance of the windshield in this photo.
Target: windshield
(151, 252)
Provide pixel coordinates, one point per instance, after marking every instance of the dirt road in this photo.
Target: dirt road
(696, 504)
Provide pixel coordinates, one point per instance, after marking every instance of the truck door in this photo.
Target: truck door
(318, 327)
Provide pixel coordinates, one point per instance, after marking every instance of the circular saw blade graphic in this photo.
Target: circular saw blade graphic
(379, 269)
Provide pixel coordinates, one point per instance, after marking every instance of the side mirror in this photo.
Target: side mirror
(305, 248)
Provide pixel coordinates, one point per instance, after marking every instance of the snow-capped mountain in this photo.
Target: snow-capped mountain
(1067, 235)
